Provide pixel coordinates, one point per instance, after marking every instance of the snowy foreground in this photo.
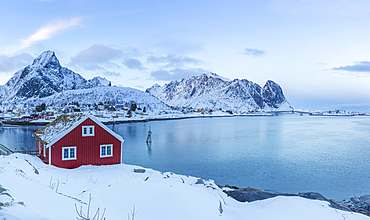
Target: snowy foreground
(38, 191)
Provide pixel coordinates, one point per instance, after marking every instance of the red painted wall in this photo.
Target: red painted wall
(88, 148)
(40, 153)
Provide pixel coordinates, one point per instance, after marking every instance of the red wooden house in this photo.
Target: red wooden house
(74, 140)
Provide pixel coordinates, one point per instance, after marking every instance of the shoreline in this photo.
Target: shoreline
(109, 121)
(354, 204)
(123, 120)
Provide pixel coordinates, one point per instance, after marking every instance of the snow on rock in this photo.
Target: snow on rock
(214, 75)
(46, 81)
(100, 81)
(95, 95)
(2, 87)
(40, 191)
(44, 77)
(210, 91)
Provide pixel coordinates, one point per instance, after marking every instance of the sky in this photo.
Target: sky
(317, 51)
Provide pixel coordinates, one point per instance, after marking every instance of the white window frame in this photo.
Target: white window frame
(106, 145)
(69, 158)
(88, 129)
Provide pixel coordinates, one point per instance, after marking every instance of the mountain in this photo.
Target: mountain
(213, 92)
(99, 81)
(1, 91)
(44, 77)
(114, 95)
(46, 81)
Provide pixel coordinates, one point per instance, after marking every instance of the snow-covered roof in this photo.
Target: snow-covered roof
(63, 125)
(58, 126)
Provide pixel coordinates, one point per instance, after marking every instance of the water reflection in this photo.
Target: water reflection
(18, 138)
(288, 153)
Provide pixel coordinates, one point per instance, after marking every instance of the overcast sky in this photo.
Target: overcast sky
(317, 50)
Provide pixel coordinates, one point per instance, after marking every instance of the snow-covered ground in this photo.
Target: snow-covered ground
(38, 191)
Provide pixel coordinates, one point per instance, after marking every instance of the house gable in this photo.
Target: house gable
(88, 148)
(63, 126)
(66, 145)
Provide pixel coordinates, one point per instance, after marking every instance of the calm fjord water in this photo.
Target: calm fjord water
(287, 153)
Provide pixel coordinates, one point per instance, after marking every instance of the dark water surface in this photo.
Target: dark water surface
(287, 153)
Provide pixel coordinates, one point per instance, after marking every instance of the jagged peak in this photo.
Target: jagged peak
(211, 75)
(45, 58)
(270, 83)
(100, 81)
(156, 85)
(214, 75)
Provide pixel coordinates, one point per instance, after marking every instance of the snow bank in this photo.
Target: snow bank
(39, 191)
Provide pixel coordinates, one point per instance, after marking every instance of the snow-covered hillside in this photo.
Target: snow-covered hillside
(113, 95)
(46, 81)
(2, 87)
(44, 77)
(31, 190)
(213, 92)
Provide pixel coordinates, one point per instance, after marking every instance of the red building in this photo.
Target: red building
(74, 140)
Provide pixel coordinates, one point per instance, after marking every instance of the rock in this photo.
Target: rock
(251, 194)
(139, 170)
(200, 181)
(362, 202)
(355, 204)
(43, 78)
(210, 91)
(313, 195)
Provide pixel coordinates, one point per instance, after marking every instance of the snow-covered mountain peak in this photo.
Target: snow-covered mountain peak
(43, 78)
(46, 58)
(100, 81)
(214, 75)
(210, 91)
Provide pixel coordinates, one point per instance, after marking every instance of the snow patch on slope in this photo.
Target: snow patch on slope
(92, 96)
(155, 195)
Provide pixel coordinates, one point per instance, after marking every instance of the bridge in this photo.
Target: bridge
(292, 112)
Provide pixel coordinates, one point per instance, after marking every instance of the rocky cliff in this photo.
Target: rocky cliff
(210, 91)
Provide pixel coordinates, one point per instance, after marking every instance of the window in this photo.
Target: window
(106, 150)
(88, 131)
(69, 153)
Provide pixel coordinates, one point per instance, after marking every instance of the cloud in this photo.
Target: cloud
(52, 29)
(176, 74)
(111, 73)
(133, 64)
(102, 57)
(173, 60)
(107, 60)
(253, 52)
(99, 58)
(12, 63)
(96, 54)
(361, 66)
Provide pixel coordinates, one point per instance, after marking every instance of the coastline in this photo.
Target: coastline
(109, 120)
(122, 120)
(354, 204)
(157, 195)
